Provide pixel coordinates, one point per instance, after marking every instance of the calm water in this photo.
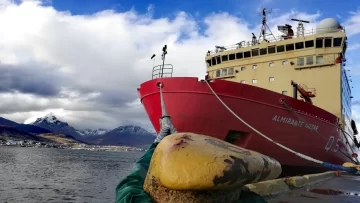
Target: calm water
(61, 175)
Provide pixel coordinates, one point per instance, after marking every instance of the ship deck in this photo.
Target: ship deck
(345, 188)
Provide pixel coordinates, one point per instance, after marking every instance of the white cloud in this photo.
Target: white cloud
(101, 59)
(352, 25)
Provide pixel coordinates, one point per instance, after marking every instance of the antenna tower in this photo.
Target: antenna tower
(264, 28)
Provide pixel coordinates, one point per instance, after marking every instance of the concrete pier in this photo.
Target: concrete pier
(344, 188)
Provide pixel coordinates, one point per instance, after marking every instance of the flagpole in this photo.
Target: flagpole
(163, 58)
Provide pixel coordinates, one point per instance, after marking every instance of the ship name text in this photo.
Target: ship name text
(290, 121)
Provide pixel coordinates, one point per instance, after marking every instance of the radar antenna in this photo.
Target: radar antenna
(300, 28)
(265, 27)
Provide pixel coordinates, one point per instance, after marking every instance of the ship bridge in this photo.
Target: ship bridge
(313, 58)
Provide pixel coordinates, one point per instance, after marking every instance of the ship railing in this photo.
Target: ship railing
(277, 38)
(312, 91)
(161, 71)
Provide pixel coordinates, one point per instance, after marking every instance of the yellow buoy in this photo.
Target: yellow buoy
(188, 161)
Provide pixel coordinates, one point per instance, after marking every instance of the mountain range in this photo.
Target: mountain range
(128, 135)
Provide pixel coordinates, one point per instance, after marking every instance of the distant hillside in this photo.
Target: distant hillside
(90, 132)
(60, 138)
(23, 127)
(128, 135)
(10, 133)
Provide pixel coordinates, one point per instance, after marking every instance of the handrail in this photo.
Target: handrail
(244, 44)
(159, 71)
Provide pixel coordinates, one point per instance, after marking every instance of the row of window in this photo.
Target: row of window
(310, 60)
(271, 79)
(318, 43)
(300, 62)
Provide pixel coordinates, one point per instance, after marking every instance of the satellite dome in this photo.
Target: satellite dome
(327, 25)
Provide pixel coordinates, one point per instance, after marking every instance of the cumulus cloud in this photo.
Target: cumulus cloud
(86, 68)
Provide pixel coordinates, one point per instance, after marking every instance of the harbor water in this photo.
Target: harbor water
(61, 175)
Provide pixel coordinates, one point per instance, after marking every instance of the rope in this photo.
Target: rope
(324, 164)
(299, 117)
(166, 126)
(264, 136)
(303, 120)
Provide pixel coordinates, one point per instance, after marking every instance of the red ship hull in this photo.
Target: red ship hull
(194, 108)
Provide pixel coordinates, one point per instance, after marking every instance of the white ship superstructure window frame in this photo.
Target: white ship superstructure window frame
(254, 81)
(309, 60)
(300, 61)
(271, 64)
(243, 68)
(242, 81)
(254, 66)
(319, 60)
(224, 72)
(285, 62)
(284, 92)
(271, 79)
(218, 73)
(231, 71)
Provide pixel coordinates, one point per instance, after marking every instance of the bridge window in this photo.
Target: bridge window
(328, 42)
(217, 73)
(218, 61)
(271, 50)
(337, 41)
(319, 43)
(254, 67)
(289, 47)
(319, 59)
(309, 43)
(271, 79)
(231, 57)
(271, 64)
(280, 48)
(299, 45)
(263, 51)
(255, 52)
(284, 92)
(208, 62)
(300, 61)
(254, 81)
(309, 60)
(247, 54)
(224, 58)
(231, 71)
(213, 60)
(243, 68)
(239, 55)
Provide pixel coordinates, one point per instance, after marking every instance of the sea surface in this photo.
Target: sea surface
(61, 175)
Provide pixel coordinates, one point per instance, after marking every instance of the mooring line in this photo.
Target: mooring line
(325, 164)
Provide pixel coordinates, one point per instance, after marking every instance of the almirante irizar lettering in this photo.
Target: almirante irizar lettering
(294, 122)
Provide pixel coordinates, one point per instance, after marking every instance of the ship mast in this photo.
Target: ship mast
(265, 27)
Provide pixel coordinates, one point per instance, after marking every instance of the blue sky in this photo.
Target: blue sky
(242, 9)
(72, 48)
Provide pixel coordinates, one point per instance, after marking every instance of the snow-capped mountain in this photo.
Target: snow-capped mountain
(90, 132)
(51, 123)
(129, 135)
(131, 128)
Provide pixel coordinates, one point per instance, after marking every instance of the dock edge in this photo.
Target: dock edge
(281, 185)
